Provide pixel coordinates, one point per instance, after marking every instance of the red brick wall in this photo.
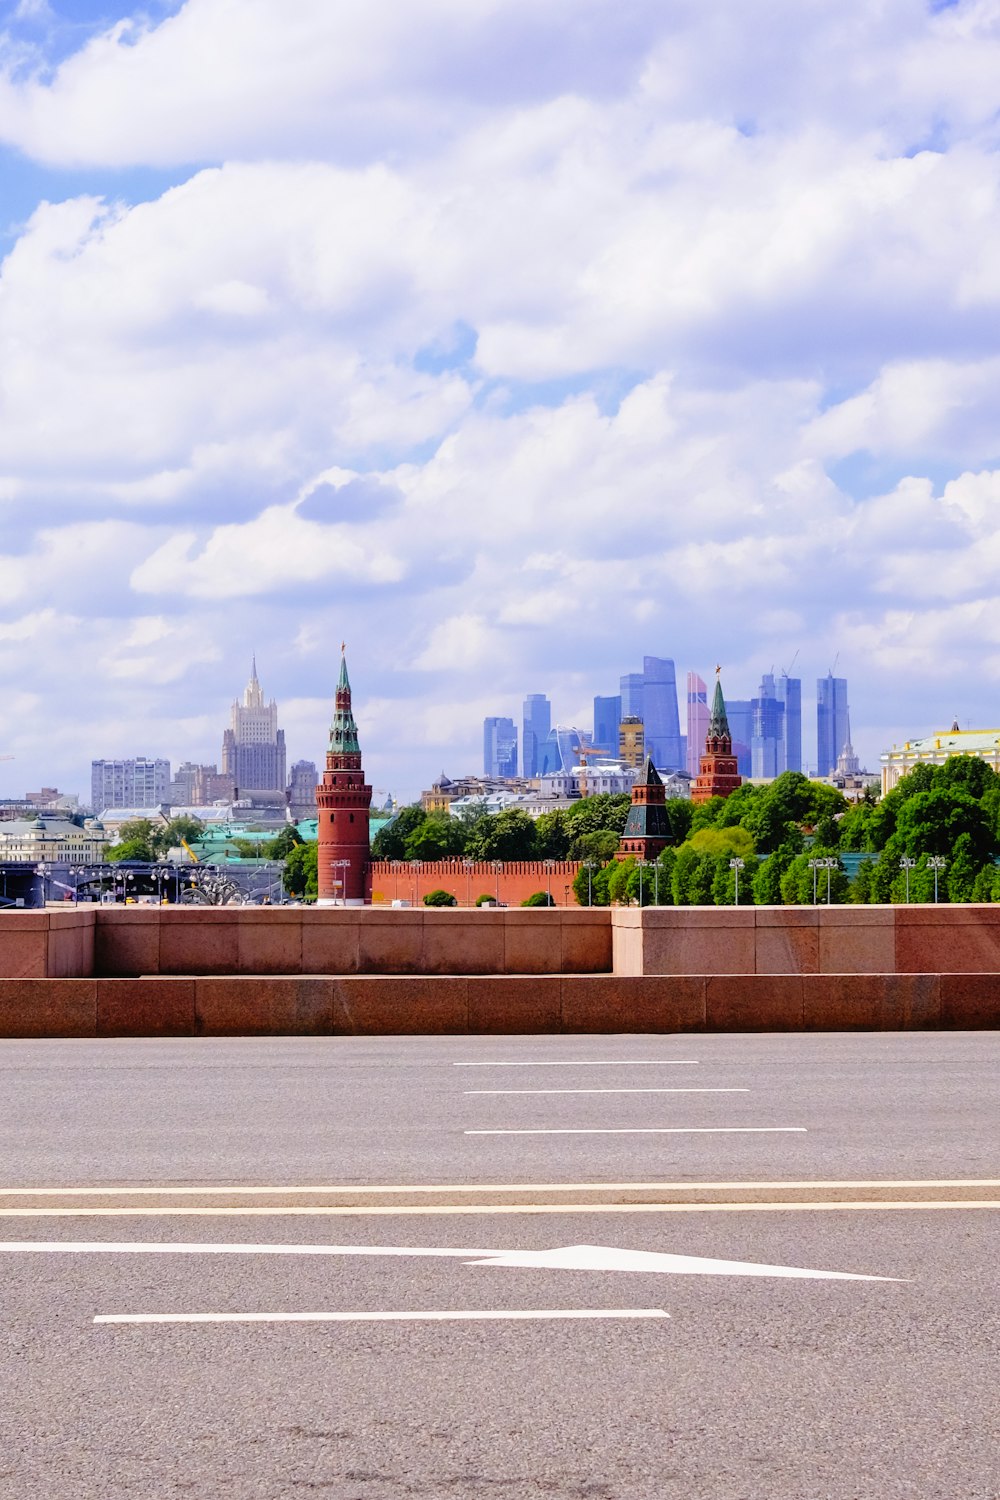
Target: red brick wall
(516, 881)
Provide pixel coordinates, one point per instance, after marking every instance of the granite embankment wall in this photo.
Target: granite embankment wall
(164, 971)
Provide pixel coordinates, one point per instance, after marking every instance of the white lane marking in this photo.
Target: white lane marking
(610, 1062)
(558, 1258)
(606, 1091)
(444, 1211)
(519, 1315)
(497, 1187)
(662, 1130)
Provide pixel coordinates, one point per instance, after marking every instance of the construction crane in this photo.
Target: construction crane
(583, 752)
(787, 671)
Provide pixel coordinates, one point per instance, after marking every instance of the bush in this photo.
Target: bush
(440, 898)
(539, 898)
(488, 898)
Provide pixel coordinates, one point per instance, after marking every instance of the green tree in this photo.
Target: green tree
(618, 879)
(769, 874)
(663, 883)
(729, 841)
(390, 841)
(288, 839)
(724, 880)
(183, 827)
(799, 881)
(300, 871)
(600, 845)
(608, 810)
(509, 835)
(706, 814)
(680, 813)
(440, 898)
(539, 898)
(552, 835)
(439, 836)
(131, 848)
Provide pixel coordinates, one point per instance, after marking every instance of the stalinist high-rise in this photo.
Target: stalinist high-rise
(253, 747)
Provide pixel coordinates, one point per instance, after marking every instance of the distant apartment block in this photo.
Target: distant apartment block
(129, 783)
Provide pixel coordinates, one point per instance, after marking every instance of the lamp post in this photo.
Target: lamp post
(736, 865)
(394, 865)
(550, 865)
(415, 865)
(829, 864)
(936, 862)
(469, 865)
(588, 865)
(339, 864)
(907, 865)
(641, 864)
(498, 866)
(814, 865)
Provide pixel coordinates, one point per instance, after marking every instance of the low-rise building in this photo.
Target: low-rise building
(935, 749)
(53, 840)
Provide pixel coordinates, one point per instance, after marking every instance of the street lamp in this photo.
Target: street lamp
(814, 865)
(550, 865)
(415, 865)
(736, 865)
(908, 865)
(394, 865)
(588, 865)
(642, 864)
(339, 864)
(936, 862)
(469, 866)
(498, 866)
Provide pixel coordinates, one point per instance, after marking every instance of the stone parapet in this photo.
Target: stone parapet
(367, 1005)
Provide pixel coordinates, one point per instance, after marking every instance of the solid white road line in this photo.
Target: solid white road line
(662, 1130)
(267, 1190)
(606, 1091)
(520, 1315)
(565, 1062)
(444, 1211)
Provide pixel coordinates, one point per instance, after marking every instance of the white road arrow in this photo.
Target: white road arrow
(564, 1258)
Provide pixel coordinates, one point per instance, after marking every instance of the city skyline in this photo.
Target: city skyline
(375, 351)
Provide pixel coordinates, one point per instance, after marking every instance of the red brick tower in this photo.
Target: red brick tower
(718, 775)
(647, 832)
(343, 800)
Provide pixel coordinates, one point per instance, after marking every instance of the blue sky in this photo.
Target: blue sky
(510, 340)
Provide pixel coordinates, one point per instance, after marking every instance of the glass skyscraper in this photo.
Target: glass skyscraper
(790, 694)
(767, 747)
(833, 728)
(660, 716)
(697, 721)
(631, 689)
(499, 747)
(607, 717)
(536, 721)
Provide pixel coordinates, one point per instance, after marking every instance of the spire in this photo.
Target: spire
(718, 727)
(650, 775)
(343, 730)
(253, 697)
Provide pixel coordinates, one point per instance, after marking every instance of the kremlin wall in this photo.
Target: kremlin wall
(344, 967)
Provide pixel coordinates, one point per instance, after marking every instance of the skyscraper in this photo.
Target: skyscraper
(697, 721)
(767, 746)
(740, 720)
(253, 747)
(833, 728)
(631, 687)
(499, 747)
(659, 712)
(607, 717)
(790, 694)
(535, 725)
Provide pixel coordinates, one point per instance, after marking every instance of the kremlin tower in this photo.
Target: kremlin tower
(342, 800)
(646, 833)
(718, 775)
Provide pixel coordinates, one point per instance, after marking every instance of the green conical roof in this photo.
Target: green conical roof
(718, 725)
(343, 730)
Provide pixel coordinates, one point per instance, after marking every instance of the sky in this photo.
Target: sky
(508, 341)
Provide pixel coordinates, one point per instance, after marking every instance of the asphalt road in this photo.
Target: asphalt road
(678, 1356)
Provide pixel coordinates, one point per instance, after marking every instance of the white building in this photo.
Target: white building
(935, 749)
(54, 840)
(139, 782)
